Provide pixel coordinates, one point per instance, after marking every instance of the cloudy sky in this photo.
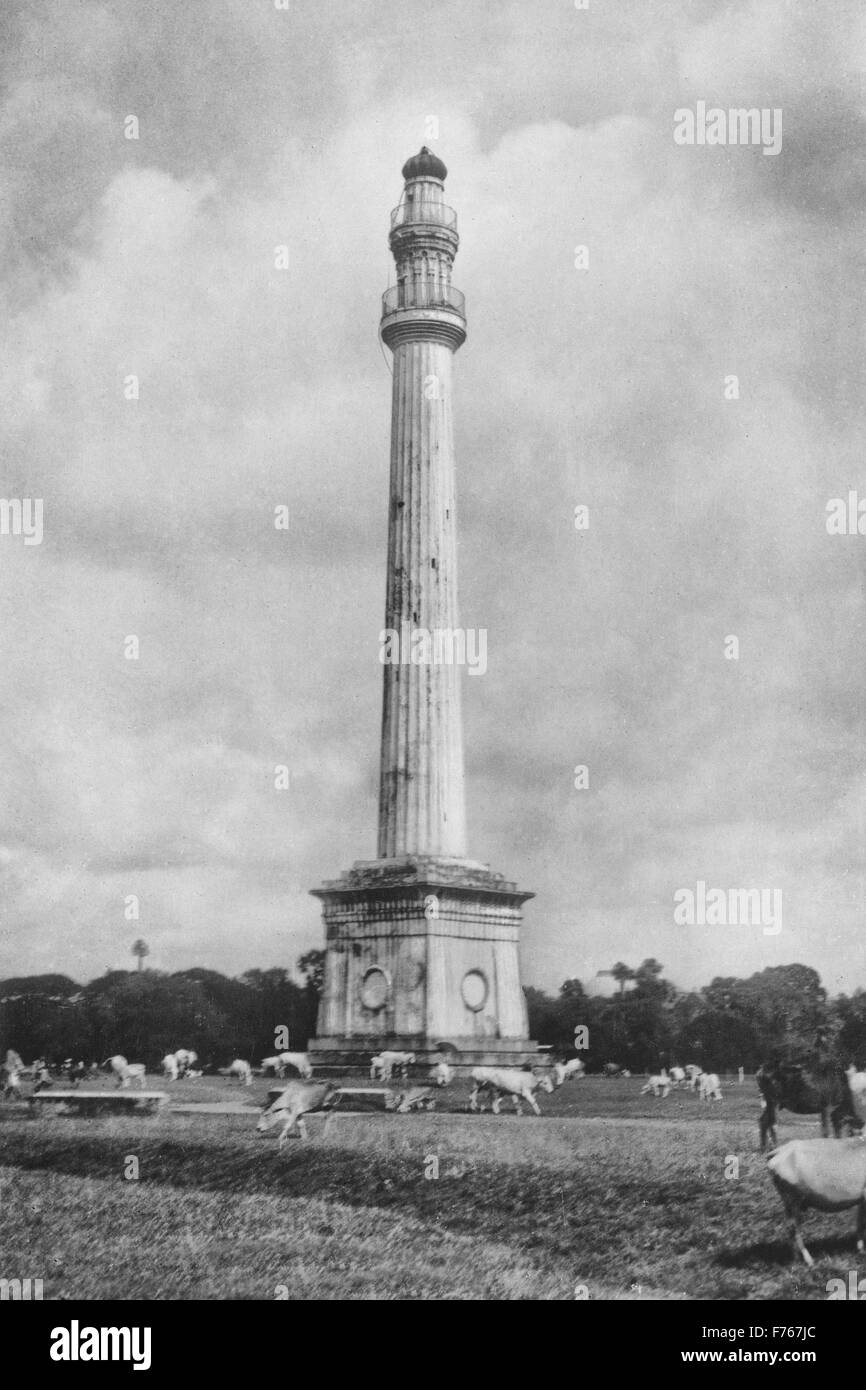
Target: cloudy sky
(261, 386)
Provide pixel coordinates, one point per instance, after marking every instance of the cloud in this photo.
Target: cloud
(260, 386)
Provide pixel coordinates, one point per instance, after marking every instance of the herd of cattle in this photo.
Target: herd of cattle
(828, 1176)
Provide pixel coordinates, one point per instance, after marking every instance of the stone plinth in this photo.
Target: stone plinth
(421, 956)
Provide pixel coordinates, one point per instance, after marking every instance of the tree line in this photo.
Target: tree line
(649, 1022)
(729, 1023)
(146, 1013)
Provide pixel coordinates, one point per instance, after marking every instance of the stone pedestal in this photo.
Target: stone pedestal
(422, 956)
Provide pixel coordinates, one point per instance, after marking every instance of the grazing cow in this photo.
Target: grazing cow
(170, 1068)
(417, 1098)
(185, 1060)
(441, 1074)
(194, 1075)
(568, 1071)
(806, 1089)
(300, 1098)
(678, 1076)
(710, 1086)
(386, 1063)
(507, 1081)
(299, 1060)
(11, 1083)
(116, 1065)
(660, 1084)
(611, 1069)
(240, 1070)
(132, 1072)
(823, 1175)
(857, 1087)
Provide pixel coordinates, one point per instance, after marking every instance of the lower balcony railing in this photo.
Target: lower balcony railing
(422, 297)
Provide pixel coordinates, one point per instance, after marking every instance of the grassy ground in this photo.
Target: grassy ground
(624, 1195)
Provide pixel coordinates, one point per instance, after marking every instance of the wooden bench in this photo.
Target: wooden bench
(100, 1102)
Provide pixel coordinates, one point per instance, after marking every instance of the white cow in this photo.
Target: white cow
(693, 1073)
(856, 1084)
(117, 1066)
(126, 1072)
(299, 1060)
(386, 1063)
(827, 1174)
(194, 1075)
(185, 1059)
(710, 1086)
(240, 1070)
(568, 1071)
(442, 1074)
(508, 1081)
(416, 1098)
(11, 1083)
(678, 1076)
(300, 1098)
(660, 1084)
(170, 1069)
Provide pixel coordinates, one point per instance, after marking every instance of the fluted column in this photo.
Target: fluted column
(422, 801)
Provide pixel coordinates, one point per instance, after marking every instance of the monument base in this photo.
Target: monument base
(421, 955)
(337, 1056)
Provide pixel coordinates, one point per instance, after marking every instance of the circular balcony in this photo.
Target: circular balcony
(423, 214)
(423, 297)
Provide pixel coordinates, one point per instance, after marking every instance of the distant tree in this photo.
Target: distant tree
(312, 967)
(622, 973)
(140, 949)
(849, 1013)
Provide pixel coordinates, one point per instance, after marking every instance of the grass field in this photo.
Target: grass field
(621, 1194)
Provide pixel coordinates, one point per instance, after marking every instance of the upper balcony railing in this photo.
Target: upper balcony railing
(434, 214)
(422, 297)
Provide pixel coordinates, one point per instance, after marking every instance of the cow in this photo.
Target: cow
(857, 1087)
(678, 1077)
(170, 1068)
(660, 1084)
(135, 1071)
(710, 1086)
(240, 1070)
(299, 1060)
(185, 1060)
(386, 1063)
(300, 1098)
(441, 1074)
(417, 1098)
(823, 1175)
(819, 1087)
(11, 1082)
(611, 1069)
(116, 1066)
(508, 1081)
(568, 1071)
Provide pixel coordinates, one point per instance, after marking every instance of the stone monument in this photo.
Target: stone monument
(422, 942)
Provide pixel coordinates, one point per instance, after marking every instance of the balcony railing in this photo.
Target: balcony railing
(437, 214)
(422, 297)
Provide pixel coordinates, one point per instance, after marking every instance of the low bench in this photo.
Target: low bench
(99, 1102)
